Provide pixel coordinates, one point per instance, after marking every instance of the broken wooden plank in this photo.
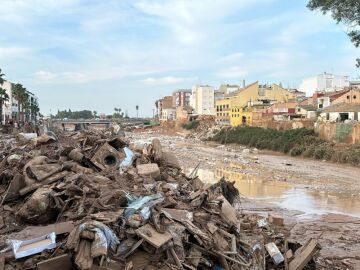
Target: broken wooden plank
(60, 262)
(51, 179)
(150, 235)
(306, 253)
(36, 231)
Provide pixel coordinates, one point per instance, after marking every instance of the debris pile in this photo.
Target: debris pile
(90, 200)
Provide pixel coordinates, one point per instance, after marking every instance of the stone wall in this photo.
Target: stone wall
(283, 125)
(339, 132)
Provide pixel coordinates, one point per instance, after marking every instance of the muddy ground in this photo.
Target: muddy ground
(317, 199)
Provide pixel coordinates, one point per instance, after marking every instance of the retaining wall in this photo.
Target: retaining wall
(339, 132)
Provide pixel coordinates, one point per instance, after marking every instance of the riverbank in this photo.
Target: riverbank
(295, 142)
(316, 198)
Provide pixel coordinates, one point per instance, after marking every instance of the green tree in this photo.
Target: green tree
(95, 114)
(34, 110)
(19, 93)
(2, 80)
(345, 11)
(3, 98)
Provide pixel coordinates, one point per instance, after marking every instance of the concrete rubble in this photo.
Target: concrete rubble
(93, 200)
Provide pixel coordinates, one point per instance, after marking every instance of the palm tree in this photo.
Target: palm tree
(3, 95)
(137, 111)
(34, 109)
(3, 98)
(1, 77)
(21, 95)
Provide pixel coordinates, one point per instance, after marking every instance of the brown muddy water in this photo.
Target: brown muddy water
(283, 194)
(309, 186)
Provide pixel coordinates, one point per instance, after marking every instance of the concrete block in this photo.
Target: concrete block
(276, 219)
(151, 169)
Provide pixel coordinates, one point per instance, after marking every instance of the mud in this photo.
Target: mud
(317, 198)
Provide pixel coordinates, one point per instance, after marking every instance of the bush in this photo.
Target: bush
(295, 142)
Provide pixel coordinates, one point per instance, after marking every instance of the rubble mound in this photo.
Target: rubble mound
(87, 200)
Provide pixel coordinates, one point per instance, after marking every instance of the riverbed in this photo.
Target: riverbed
(316, 198)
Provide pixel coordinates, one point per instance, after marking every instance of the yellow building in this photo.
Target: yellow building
(236, 109)
(222, 108)
(247, 115)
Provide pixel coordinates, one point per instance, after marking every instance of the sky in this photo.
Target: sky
(102, 54)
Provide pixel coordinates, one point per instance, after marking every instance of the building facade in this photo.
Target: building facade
(203, 100)
(163, 103)
(168, 114)
(325, 82)
(245, 105)
(10, 108)
(181, 97)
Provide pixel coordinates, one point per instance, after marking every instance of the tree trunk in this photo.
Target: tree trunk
(1, 112)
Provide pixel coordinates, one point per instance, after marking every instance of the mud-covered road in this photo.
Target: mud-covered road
(317, 199)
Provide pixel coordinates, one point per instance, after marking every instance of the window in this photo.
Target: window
(354, 97)
(348, 97)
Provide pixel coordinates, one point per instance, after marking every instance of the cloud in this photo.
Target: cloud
(234, 57)
(232, 72)
(193, 22)
(168, 80)
(59, 78)
(13, 51)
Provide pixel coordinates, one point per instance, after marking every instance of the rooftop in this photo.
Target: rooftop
(343, 107)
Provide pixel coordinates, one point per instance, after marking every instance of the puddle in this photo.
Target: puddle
(283, 194)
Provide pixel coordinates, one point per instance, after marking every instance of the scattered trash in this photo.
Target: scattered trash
(262, 223)
(274, 253)
(111, 205)
(29, 247)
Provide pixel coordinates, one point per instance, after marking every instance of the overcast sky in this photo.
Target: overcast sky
(101, 54)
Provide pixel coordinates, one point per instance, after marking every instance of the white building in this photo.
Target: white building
(325, 82)
(9, 108)
(203, 99)
(168, 115)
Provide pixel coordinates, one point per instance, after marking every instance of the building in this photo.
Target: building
(325, 82)
(324, 100)
(168, 114)
(163, 103)
(298, 95)
(249, 114)
(240, 106)
(228, 88)
(225, 90)
(181, 97)
(307, 111)
(223, 111)
(10, 108)
(283, 111)
(183, 113)
(7, 107)
(203, 99)
(341, 112)
(351, 96)
(355, 84)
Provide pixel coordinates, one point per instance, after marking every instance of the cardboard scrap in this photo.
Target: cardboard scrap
(62, 262)
(178, 214)
(150, 235)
